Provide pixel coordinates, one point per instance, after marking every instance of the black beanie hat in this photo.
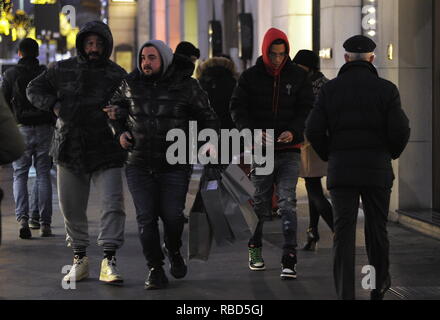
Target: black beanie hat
(307, 58)
(187, 49)
(29, 48)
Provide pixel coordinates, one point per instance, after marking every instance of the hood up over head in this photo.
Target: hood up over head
(165, 52)
(102, 30)
(271, 35)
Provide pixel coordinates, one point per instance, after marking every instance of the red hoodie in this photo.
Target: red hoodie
(271, 35)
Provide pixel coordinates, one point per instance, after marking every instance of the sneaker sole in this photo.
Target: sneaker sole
(113, 283)
(154, 287)
(287, 277)
(257, 269)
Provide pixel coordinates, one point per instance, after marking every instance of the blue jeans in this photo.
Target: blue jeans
(158, 194)
(37, 139)
(34, 212)
(285, 178)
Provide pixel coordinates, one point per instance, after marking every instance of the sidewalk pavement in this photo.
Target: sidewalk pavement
(32, 269)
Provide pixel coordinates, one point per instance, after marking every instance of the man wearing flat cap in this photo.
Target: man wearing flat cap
(358, 126)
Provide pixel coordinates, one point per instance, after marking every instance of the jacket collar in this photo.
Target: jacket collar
(29, 61)
(358, 64)
(262, 67)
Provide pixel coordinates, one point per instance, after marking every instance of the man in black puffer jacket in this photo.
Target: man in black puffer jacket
(158, 96)
(36, 126)
(358, 126)
(83, 148)
(275, 94)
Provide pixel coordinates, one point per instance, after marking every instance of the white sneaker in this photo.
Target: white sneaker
(109, 272)
(79, 270)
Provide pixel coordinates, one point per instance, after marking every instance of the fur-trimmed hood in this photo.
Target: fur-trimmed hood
(216, 63)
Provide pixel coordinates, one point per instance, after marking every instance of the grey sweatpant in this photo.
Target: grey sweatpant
(73, 195)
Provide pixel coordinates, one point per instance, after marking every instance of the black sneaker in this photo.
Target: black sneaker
(377, 294)
(46, 231)
(34, 224)
(288, 267)
(156, 279)
(24, 230)
(178, 268)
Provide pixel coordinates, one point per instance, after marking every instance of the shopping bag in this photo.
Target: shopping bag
(249, 215)
(236, 219)
(212, 199)
(237, 183)
(200, 233)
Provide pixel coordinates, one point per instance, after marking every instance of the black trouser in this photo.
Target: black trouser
(318, 204)
(158, 195)
(376, 203)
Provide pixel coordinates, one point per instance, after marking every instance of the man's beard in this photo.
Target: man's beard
(147, 69)
(94, 57)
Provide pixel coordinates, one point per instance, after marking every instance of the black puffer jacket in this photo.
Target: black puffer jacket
(83, 141)
(252, 102)
(358, 125)
(153, 107)
(14, 84)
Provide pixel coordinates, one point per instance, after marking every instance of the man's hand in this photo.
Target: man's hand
(112, 111)
(56, 109)
(285, 137)
(125, 140)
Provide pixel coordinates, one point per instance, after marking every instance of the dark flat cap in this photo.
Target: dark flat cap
(359, 44)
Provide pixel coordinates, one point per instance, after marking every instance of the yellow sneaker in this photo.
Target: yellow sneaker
(109, 272)
(79, 270)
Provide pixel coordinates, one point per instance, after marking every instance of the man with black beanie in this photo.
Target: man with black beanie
(186, 57)
(36, 126)
(187, 49)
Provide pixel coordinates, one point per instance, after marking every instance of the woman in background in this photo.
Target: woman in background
(312, 167)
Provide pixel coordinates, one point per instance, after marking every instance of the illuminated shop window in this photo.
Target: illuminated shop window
(369, 18)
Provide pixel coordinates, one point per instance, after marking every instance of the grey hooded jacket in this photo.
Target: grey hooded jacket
(151, 106)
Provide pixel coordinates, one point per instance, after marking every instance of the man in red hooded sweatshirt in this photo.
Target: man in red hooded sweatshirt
(275, 94)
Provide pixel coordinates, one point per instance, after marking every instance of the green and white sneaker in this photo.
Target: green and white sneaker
(79, 270)
(256, 262)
